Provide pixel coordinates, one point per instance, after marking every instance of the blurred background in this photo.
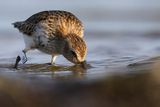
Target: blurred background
(123, 40)
(103, 15)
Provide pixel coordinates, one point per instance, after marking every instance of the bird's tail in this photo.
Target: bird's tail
(17, 24)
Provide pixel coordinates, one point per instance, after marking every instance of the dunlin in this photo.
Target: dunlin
(55, 33)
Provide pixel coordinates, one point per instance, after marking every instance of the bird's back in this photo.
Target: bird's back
(52, 22)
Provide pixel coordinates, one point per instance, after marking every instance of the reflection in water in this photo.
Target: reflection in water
(55, 71)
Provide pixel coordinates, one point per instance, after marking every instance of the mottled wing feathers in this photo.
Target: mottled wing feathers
(28, 26)
(67, 23)
(62, 21)
(51, 21)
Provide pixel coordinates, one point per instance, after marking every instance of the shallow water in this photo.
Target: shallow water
(104, 54)
(123, 41)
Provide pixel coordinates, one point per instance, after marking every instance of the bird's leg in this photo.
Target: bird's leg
(24, 58)
(53, 59)
(17, 61)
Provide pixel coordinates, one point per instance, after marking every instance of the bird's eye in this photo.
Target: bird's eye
(74, 53)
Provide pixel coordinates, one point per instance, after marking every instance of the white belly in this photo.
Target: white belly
(29, 42)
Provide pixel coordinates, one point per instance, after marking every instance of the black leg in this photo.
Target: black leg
(48, 63)
(17, 61)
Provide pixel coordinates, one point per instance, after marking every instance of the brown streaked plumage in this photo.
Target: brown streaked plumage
(51, 21)
(56, 33)
(77, 46)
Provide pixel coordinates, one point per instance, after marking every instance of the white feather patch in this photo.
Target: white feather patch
(28, 40)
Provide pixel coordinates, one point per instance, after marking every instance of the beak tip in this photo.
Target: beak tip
(84, 64)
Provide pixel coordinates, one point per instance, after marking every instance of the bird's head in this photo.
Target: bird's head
(75, 49)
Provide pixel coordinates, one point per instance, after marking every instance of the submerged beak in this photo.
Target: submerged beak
(84, 64)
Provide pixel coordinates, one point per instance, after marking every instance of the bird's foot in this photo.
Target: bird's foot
(50, 63)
